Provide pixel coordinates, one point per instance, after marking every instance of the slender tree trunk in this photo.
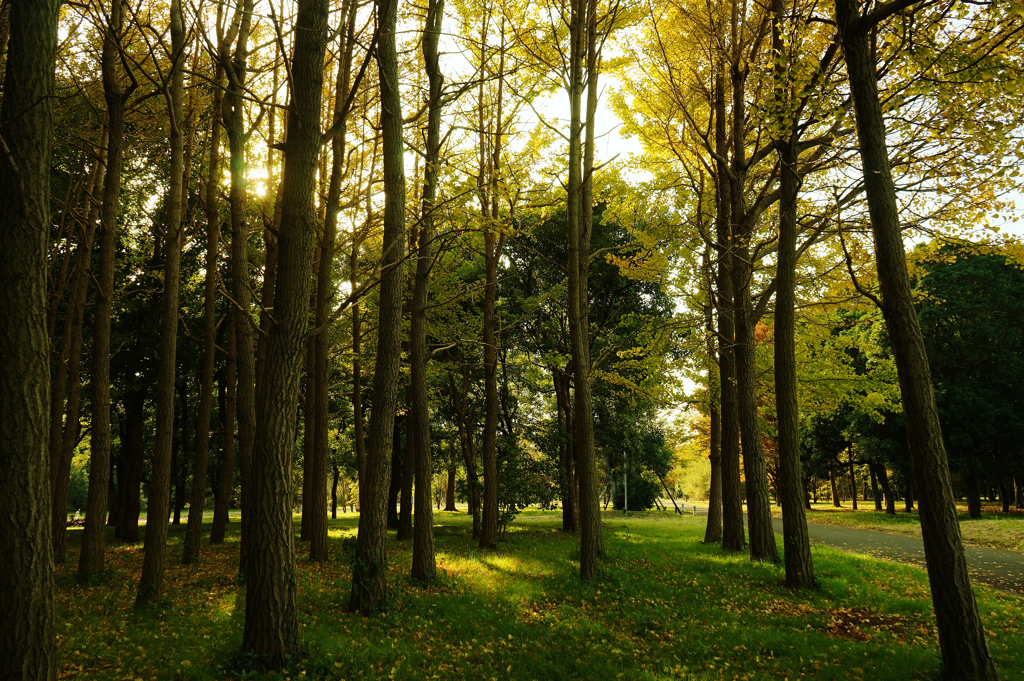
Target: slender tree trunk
(1019, 483)
(27, 645)
(369, 573)
(227, 477)
(423, 562)
(408, 473)
(732, 503)
(245, 380)
(713, 529)
(468, 448)
(132, 460)
(449, 492)
(308, 400)
(271, 624)
(62, 451)
(962, 641)
(334, 492)
(91, 558)
(317, 490)
(1006, 493)
(875, 492)
(211, 205)
(578, 253)
(853, 483)
(151, 583)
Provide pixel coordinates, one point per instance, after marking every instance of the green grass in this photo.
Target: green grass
(994, 529)
(665, 606)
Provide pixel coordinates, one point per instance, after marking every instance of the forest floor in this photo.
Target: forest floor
(665, 606)
(995, 530)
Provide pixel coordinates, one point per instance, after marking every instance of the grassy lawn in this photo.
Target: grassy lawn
(995, 530)
(664, 607)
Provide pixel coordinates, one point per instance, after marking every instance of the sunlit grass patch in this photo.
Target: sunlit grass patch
(664, 606)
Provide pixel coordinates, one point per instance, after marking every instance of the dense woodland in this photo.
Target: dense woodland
(289, 256)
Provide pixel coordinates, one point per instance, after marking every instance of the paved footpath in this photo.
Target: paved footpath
(1003, 570)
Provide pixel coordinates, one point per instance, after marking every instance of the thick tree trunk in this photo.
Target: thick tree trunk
(222, 508)
(762, 537)
(408, 473)
(973, 497)
(369, 573)
(211, 206)
(91, 558)
(151, 582)
(1006, 493)
(271, 624)
(961, 635)
(27, 645)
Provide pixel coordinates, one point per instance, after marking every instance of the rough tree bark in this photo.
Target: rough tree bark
(961, 635)
(369, 573)
(27, 646)
(795, 540)
(271, 624)
(151, 582)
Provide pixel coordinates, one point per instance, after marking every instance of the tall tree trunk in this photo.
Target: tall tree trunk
(151, 583)
(227, 476)
(369, 573)
(235, 67)
(795, 540)
(211, 206)
(759, 522)
(271, 624)
(732, 495)
(62, 450)
(577, 237)
(91, 557)
(27, 645)
(423, 562)
(317, 491)
(961, 635)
